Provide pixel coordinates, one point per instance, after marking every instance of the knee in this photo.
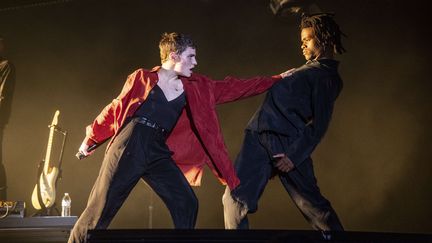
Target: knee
(229, 200)
(233, 199)
(317, 203)
(303, 204)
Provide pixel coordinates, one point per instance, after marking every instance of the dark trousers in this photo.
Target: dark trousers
(254, 168)
(138, 152)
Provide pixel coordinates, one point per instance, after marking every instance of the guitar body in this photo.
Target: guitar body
(47, 184)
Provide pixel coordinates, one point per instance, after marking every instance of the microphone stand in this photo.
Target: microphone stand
(58, 129)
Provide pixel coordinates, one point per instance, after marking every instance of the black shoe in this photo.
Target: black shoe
(326, 235)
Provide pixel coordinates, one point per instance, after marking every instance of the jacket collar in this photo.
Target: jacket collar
(155, 69)
(153, 76)
(326, 63)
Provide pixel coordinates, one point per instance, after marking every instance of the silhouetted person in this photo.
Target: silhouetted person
(284, 132)
(7, 85)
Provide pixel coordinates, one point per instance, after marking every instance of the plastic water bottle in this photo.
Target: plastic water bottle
(66, 205)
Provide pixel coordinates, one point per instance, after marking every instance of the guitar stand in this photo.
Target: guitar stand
(47, 211)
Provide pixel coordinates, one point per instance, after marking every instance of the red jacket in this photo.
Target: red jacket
(197, 137)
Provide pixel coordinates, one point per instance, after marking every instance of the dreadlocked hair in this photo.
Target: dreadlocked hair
(326, 30)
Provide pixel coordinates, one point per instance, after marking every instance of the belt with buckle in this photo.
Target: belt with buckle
(152, 124)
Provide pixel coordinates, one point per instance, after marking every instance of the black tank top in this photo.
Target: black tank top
(158, 109)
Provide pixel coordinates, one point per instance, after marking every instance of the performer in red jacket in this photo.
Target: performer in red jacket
(163, 123)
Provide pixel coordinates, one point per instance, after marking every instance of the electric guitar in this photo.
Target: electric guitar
(45, 193)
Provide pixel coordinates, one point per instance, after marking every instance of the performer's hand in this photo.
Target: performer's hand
(287, 73)
(83, 149)
(283, 163)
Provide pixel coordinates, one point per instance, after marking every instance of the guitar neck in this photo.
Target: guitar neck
(48, 151)
(50, 141)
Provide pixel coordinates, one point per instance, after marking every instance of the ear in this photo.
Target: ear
(173, 56)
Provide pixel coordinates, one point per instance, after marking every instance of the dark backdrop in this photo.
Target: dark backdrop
(373, 164)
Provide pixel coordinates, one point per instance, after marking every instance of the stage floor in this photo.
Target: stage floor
(54, 235)
(253, 236)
